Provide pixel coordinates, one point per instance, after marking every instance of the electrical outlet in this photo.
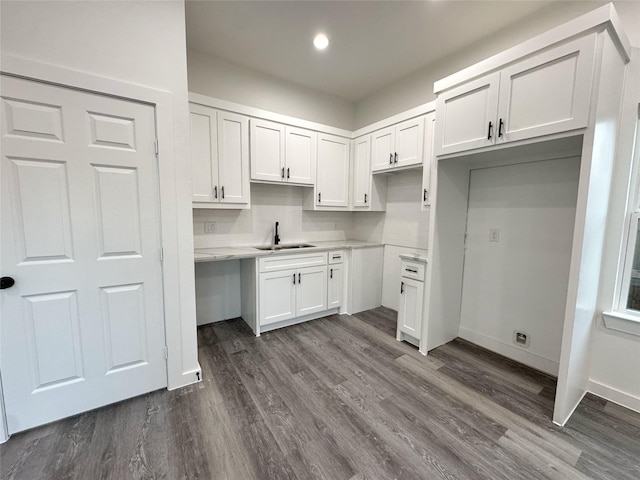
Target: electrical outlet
(209, 227)
(494, 234)
(521, 338)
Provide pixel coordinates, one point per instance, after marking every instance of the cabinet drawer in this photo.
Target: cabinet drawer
(283, 262)
(412, 270)
(336, 256)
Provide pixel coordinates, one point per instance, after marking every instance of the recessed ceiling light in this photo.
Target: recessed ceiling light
(321, 41)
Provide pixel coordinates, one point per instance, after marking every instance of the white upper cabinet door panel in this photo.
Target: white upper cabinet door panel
(429, 160)
(382, 149)
(300, 156)
(409, 143)
(547, 93)
(466, 116)
(204, 155)
(233, 158)
(362, 172)
(332, 188)
(267, 150)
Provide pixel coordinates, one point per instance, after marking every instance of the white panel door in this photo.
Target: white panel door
(311, 290)
(233, 158)
(382, 149)
(83, 326)
(548, 93)
(267, 151)
(466, 116)
(204, 154)
(300, 156)
(335, 287)
(410, 307)
(362, 172)
(332, 189)
(409, 143)
(277, 296)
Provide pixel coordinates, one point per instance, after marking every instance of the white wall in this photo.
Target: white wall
(255, 226)
(136, 42)
(417, 88)
(520, 281)
(615, 356)
(219, 78)
(403, 228)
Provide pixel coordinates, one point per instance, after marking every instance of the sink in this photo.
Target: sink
(286, 247)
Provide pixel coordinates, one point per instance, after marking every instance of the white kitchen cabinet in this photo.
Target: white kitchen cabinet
(282, 154)
(220, 158)
(367, 192)
(291, 293)
(429, 166)
(398, 146)
(335, 285)
(411, 301)
(333, 171)
(544, 94)
(311, 290)
(300, 155)
(331, 191)
(277, 296)
(291, 286)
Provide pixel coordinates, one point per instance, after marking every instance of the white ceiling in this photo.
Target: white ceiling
(373, 43)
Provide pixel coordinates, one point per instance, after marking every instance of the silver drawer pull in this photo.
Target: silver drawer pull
(412, 270)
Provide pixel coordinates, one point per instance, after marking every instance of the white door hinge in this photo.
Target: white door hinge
(166, 352)
(156, 147)
(162, 254)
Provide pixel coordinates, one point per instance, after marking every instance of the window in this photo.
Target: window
(630, 291)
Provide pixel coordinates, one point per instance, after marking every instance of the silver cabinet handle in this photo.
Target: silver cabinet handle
(401, 287)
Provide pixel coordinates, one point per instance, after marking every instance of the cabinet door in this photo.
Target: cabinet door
(335, 286)
(277, 296)
(409, 143)
(233, 158)
(429, 163)
(300, 154)
(332, 188)
(311, 290)
(267, 151)
(361, 180)
(382, 149)
(410, 307)
(548, 93)
(466, 116)
(204, 153)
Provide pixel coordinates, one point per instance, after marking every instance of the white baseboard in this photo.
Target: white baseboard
(614, 395)
(510, 351)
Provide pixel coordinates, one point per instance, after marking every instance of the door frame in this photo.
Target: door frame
(177, 249)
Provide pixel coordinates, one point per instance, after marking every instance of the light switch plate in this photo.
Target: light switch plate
(209, 227)
(494, 234)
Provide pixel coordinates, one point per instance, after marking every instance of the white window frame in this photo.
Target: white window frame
(621, 318)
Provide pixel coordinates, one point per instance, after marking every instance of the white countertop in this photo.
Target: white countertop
(232, 253)
(415, 257)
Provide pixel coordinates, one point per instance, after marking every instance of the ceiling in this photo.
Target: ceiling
(373, 43)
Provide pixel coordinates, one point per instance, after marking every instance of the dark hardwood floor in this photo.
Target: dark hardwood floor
(337, 398)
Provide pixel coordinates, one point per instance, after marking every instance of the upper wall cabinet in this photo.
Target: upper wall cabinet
(332, 185)
(281, 153)
(397, 146)
(541, 95)
(220, 158)
(368, 192)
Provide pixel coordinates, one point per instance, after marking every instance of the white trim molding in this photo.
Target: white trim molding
(622, 322)
(614, 395)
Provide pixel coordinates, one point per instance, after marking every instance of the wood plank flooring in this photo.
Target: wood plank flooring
(337, 398)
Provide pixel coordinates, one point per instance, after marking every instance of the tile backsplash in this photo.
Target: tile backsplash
(402, 224)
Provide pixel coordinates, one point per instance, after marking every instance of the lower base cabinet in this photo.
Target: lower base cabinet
(410, 304)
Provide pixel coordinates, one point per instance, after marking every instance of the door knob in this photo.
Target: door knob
(6, 282)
